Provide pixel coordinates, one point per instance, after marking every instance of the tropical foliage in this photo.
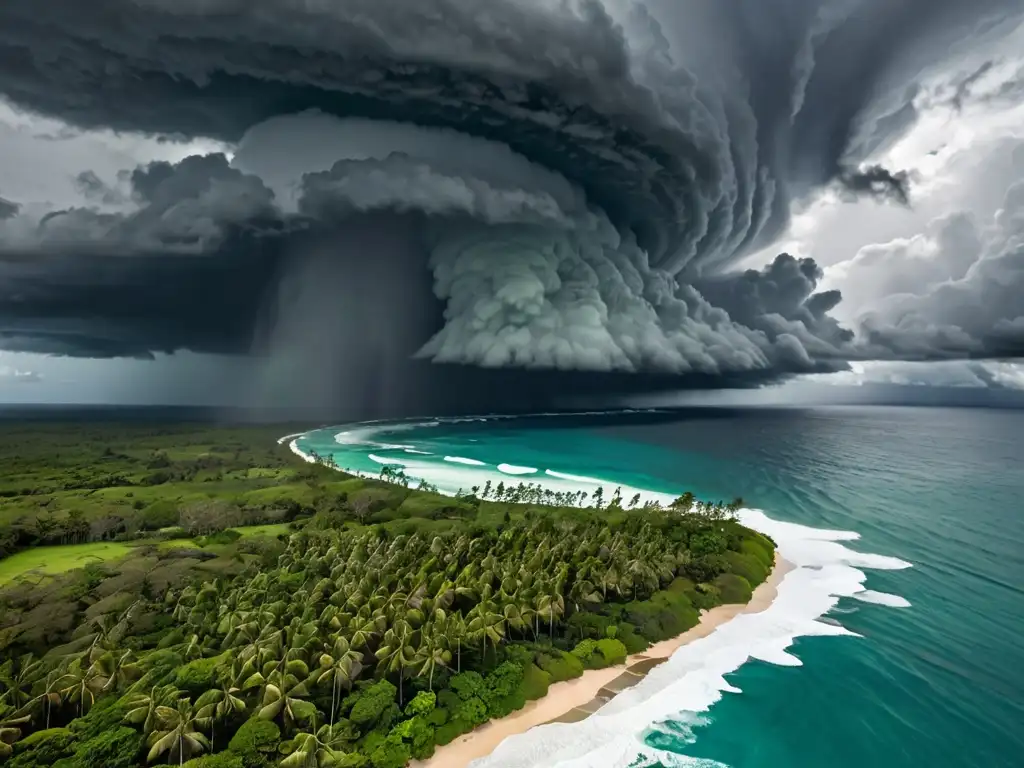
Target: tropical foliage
(363, 644)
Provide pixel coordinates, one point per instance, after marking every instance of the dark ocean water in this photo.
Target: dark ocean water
(938, 684)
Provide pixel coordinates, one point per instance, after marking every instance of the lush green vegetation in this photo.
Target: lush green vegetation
(259, 611)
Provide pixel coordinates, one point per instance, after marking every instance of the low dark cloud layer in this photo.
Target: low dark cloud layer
(8, 210)
(878, 182)
(573, 182)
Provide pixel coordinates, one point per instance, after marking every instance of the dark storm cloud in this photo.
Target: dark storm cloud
(190, 207)
(8, 210)
(782, 297)
(93, 188)
(688, 155)
(877, 182)
(650, 151)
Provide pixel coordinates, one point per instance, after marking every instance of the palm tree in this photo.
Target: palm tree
(17, 677)
(486, 623)
(454, 631)
(50, 695)
(313, 751)
(112, 670)
(285, 688)
(396, 653)
(142, 707)
(340, 667)
(218, 704)
(76, 686)
(432, 653)
(177, 733)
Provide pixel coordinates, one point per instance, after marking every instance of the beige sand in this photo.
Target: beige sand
(573, 700)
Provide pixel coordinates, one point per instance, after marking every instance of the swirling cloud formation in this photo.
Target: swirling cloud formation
(578, 177)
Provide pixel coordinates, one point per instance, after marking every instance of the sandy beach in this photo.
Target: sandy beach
(576, 699)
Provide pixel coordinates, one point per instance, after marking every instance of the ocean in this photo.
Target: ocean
(895, 642)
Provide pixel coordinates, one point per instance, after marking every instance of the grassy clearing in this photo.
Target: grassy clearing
(59, 559)
(272, 529)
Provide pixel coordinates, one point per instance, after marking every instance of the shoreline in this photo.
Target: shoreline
(575, 700)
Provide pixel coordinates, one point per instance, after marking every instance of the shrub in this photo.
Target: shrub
(448, 699)
(106, 715)
(628, 637)
(584, 651)
(747, 566)
(467, 685)
(255, 739)
(198, 676)
(42, 748)
(501, 682)
(759, 547)
(392, 753)
(437, 717)
(422, 703)
(451, 731)
(226, 759)
(371, 703)
(612, 651)
(385, 516)
(535, 683)
(116, 748)
(419, 734)
(472, 711)
(733, 588)
(666, 614)
(159, 514)
(560, 665)
(163, 664)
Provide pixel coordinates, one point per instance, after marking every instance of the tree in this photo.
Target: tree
(432, 653)
(684, 503)
(396, 653)
(339, 668)
(285, 689)
(177, 733)
(218, 704)
(486, 624)
(113, 670)
(143, 707)
(76, 686)
(17, 677)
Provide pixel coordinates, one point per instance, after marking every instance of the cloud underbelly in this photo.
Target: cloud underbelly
(576, 179)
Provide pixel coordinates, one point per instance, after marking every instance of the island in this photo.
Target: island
(200, 596)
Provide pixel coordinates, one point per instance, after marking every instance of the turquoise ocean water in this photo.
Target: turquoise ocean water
(845, 673)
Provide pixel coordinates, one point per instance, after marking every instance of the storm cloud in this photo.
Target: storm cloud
(570, 185)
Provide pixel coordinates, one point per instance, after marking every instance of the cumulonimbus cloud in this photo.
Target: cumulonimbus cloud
(579, 177)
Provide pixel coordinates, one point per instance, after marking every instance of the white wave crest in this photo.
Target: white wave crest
(882, 598)
(512, 469)
(694, 679)
(464, 460)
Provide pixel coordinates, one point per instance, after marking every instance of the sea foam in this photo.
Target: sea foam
(687, 686)
(464, 460)
(512, 469)
(694, 679)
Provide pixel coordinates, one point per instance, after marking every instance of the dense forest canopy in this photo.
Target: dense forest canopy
(265, 612)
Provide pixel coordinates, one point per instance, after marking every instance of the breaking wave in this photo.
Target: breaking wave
(634, 728)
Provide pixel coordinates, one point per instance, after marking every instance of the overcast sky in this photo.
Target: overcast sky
(962, 154)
